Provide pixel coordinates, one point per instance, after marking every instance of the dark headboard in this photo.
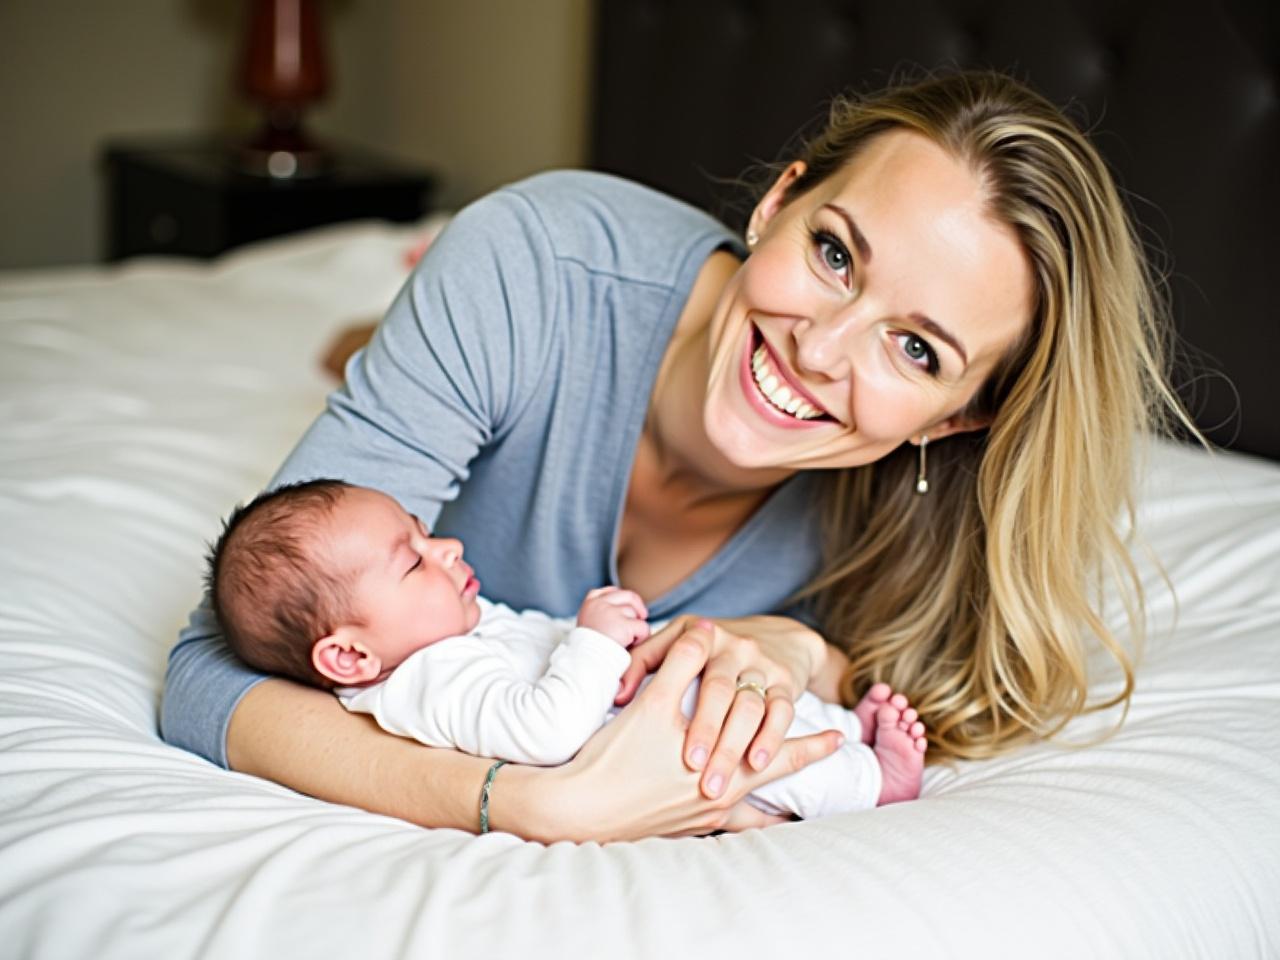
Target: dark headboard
(1182, 99)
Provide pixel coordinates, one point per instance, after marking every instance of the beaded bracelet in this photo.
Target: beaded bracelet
(484, 794)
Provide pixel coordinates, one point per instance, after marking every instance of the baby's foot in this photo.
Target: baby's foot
(866, 709)
(899, 746)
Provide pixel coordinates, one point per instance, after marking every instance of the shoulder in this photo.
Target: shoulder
(611, 225)
(534, 230)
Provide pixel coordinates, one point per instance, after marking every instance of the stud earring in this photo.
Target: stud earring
(922, 482)
(752, 238)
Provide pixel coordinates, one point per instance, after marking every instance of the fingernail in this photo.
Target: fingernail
(715, 785)
(761, 759)
(698, 757)
(706, 625)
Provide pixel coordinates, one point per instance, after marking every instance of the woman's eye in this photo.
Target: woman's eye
(917, 350)
(833, 252)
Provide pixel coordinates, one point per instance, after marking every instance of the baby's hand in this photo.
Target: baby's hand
(618, 614)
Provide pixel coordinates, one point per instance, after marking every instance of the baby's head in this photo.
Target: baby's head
(335, 585)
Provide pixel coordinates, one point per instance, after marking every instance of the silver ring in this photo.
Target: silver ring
(754, 687)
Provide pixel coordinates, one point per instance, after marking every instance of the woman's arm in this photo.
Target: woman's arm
(440, 379)
(628, 782)
(304, 738)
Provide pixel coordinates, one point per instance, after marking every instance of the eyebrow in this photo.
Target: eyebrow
(859, 241)
(941, 333)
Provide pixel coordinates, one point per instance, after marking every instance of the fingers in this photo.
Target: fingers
(779, 712)
(619, 614)
(685, 659)
(796, 754)
(715, 698)
(741, 711)
(637, 631)
(646, 656)
(629, 600)
(745, 715)
(755, 729)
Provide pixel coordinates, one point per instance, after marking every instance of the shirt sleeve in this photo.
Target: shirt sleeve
(459, 694)
(449, 369)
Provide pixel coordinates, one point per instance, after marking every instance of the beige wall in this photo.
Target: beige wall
(488, 90)
(481, 91)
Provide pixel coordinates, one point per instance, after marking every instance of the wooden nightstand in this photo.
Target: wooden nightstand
(186, 197)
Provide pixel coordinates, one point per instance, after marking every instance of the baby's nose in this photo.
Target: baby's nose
(448, 550)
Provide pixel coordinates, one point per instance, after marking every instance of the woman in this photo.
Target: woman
(587, 381)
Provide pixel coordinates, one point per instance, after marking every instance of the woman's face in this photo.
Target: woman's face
(869, 312)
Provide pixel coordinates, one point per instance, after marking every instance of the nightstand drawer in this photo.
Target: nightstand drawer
(151, 213)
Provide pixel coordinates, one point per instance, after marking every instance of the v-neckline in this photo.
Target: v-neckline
(630, 441)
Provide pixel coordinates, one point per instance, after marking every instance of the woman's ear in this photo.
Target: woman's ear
(344, 660)
(775, 198)
(956, 423)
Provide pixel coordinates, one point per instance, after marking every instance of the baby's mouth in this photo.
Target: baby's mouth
(775, 388)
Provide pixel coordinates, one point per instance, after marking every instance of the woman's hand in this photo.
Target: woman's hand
(755, 669)
(629, 782)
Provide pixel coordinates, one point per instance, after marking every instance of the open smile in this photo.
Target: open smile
(775, 391)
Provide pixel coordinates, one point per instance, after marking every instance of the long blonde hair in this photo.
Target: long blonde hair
(979, 599)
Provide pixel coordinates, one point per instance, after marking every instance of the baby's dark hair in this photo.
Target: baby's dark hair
(272, 590)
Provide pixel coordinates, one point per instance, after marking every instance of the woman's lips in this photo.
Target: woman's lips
(805, 412)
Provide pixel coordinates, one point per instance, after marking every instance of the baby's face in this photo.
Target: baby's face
(411, 589)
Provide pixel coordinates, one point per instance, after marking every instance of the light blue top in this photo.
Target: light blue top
(502, 399)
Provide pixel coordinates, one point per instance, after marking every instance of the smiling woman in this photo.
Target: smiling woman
(837, 299)
(589, 382)
(974, 272)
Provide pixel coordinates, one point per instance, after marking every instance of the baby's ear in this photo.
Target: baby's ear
(344, 660)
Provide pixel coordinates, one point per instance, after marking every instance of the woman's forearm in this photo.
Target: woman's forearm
(627, 782)
(305, 740)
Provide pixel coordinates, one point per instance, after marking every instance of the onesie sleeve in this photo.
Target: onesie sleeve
(448, 371)
(457, 694)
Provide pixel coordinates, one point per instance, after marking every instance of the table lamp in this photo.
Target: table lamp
(284, 71)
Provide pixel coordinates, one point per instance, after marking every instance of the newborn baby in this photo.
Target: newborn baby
(339, 587)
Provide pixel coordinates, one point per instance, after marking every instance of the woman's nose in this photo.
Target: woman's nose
(824, 345)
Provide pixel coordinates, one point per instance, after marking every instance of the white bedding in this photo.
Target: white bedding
(137, 404)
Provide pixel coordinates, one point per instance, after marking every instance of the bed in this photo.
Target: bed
(139, 402)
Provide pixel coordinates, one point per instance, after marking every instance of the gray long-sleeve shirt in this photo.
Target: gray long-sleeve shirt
(502, 399)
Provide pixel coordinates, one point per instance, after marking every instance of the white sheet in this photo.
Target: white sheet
(138, 404)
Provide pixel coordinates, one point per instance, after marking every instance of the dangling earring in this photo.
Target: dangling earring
(922, 482)
(752, 238)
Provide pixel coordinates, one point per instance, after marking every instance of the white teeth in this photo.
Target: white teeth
(777, 392)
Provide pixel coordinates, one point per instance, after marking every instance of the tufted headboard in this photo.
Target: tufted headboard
(1181, 98)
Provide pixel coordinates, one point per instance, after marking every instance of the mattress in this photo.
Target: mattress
(139, 403)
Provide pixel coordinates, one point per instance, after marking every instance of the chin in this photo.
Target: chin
(736, 442)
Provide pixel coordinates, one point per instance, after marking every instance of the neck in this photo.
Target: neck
(683, 456)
